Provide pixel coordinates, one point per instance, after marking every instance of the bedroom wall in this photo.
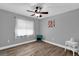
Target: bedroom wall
(37, 26)
(7, 28)
(66, 26)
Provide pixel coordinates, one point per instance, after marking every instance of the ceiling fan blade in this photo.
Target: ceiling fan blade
(30, 11)
(44, 12)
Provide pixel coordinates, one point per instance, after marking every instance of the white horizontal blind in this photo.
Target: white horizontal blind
(24, 27)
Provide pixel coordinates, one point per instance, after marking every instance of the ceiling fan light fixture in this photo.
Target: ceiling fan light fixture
(37, 14)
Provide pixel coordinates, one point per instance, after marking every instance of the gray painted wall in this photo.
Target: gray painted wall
(7, 28)
(67, 26)
(37, 26)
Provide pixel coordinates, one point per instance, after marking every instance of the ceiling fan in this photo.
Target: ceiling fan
(37, 12)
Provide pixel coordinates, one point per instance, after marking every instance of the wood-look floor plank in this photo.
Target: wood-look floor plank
(36, 49)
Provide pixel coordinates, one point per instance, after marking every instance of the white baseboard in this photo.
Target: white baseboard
(59, 45)
(62, 46)
(5, 47)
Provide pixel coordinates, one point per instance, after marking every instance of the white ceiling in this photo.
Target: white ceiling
(52, 8)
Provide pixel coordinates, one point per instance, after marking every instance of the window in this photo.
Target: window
(24, 27)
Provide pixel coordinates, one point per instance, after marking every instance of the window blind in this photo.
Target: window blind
(24, 27)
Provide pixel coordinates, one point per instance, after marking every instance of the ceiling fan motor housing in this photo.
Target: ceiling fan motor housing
(38, 7)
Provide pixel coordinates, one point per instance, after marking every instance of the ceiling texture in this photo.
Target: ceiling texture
(51, 8)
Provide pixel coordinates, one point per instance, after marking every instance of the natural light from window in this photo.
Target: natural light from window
(24, 27)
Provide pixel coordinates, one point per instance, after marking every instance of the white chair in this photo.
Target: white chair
(71, 45)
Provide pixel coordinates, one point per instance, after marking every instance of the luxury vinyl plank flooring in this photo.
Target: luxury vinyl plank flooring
(35, 49)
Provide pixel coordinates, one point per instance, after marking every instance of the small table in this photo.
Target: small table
(73, 46)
